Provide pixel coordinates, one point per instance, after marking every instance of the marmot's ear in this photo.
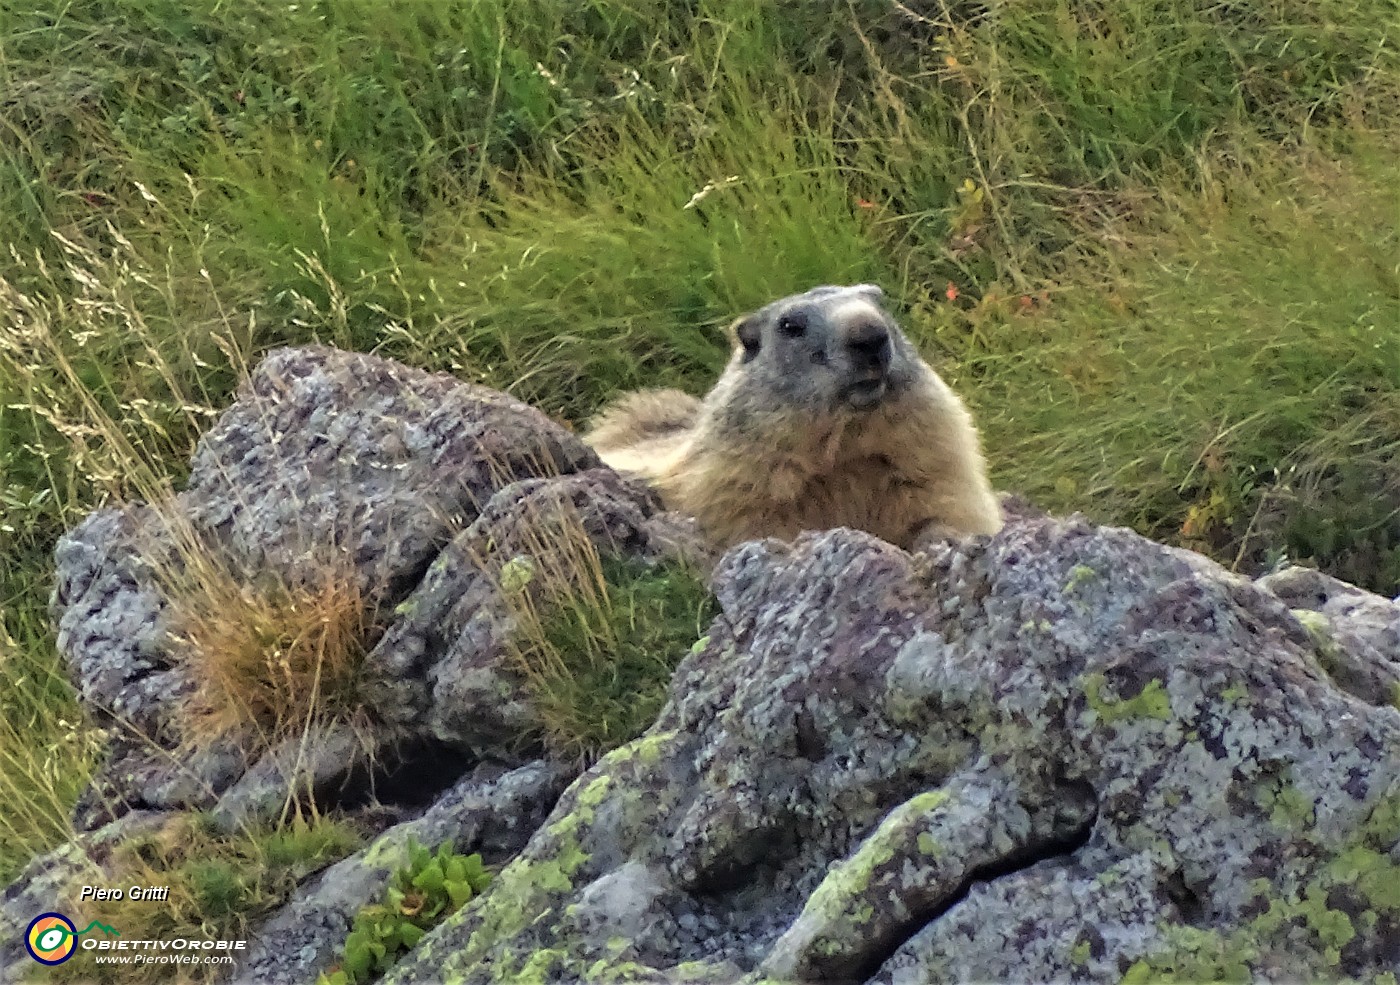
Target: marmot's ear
(874, 290)
(748, 332)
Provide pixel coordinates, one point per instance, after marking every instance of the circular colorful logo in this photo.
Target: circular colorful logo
(51, 938)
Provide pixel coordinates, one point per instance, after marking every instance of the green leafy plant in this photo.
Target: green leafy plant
(421, 895)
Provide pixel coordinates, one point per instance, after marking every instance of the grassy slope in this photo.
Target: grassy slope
(1170, 226)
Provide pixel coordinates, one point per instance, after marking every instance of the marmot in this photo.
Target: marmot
(826, 416)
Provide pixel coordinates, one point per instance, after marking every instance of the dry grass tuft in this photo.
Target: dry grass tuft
(270, 660)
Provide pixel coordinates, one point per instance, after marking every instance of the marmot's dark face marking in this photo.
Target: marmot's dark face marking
(830, 348)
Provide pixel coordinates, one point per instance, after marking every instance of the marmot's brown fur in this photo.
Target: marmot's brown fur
(826, 416)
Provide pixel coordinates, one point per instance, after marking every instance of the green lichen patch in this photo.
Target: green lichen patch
(1151, 702)
(1373, 873)
(557, 964)
(1382, 826)
(1287, 806)
(699, 971)
(646, 750)
(1349, 902)
(1078, 575)
(885, 868)
(1194, 955)
(520, 894)
(540, 966)
(1324, 645)
(588, 798)
(539, 879)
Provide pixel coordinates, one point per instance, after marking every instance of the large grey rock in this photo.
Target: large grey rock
(325, 456)
(1064, 753)
(382, 462)
(327, 459)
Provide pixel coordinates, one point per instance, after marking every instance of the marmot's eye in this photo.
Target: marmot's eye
(792, 325)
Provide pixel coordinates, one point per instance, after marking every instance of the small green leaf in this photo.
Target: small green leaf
(431, 879)
(385, 962)
(357, 960)
(476, 872)
(409, 935)
(459, 891)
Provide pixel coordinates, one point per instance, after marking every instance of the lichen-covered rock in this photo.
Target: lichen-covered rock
(109, 614)
(1357, 633)
(1062, 753)
(444, 664)
(324, 447)
(323, 451)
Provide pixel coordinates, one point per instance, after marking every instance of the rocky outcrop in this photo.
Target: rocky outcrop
(1061, 753)
(329, 459)
(323, 452)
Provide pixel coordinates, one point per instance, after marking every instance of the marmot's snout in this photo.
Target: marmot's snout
(867, 357)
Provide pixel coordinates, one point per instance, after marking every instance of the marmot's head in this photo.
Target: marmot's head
(828, 349)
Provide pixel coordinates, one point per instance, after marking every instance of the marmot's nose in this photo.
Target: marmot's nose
(868, 343)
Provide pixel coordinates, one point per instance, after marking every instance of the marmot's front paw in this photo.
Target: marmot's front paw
(929, 532)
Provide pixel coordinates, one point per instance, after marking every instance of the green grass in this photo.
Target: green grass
(596, 637)
(1235, 385)
(618, 656)
(1196, 200)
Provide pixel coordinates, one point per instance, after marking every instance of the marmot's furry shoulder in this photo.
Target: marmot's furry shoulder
(826, 416)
